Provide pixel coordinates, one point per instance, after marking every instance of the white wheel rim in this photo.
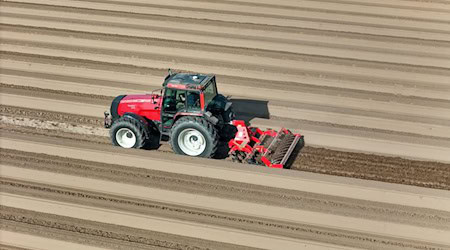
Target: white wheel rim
(191, 142)
(125, 138)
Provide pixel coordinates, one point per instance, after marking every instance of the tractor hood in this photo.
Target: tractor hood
(138, 104)
(141, 98)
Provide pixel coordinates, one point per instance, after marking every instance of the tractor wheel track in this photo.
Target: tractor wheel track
(147, 77)
(227, 63)
(425, 125)
(89, 233)
(245, 112)
(15, 35)
(217, 188)
(37, 185)
(223, 189)
(18, 220)
(322, 21)
(311, 159)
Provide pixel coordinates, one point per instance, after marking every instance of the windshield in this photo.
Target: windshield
(210, 91)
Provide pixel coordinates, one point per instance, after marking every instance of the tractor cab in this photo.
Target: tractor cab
(185, 94)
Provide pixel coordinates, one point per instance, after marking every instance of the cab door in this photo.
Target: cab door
(173, 101)
(178, 102)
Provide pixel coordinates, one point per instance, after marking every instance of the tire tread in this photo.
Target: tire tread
(202, 122)
(141, 133)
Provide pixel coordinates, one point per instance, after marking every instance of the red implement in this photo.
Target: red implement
(270, 148)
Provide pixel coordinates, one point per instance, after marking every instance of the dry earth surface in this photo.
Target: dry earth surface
(366, 82)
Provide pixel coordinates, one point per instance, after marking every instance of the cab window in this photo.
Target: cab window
(193, 100)
(174, 100)
(178, 100)
(210, 91)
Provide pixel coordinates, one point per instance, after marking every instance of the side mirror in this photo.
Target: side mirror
(153, 100)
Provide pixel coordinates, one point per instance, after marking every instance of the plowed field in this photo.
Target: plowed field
(366, 82)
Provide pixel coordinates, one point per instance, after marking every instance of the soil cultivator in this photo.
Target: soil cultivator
(190, 113)
(254, 146)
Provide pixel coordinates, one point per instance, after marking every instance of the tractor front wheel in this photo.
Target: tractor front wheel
(128, 133)
(194, 136)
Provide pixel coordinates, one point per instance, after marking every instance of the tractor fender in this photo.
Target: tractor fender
(182, 114)
(208, 116)
(142, 121)
(115, 106)
(212, 119)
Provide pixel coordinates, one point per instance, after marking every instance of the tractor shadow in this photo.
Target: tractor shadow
(153, 143)
(248, 110)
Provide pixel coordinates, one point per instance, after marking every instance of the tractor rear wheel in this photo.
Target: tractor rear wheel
(128, 133)
(194, 136)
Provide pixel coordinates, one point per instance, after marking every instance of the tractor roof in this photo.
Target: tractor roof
(187, 80)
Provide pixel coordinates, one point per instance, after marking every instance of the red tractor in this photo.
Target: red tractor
(193, 117)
